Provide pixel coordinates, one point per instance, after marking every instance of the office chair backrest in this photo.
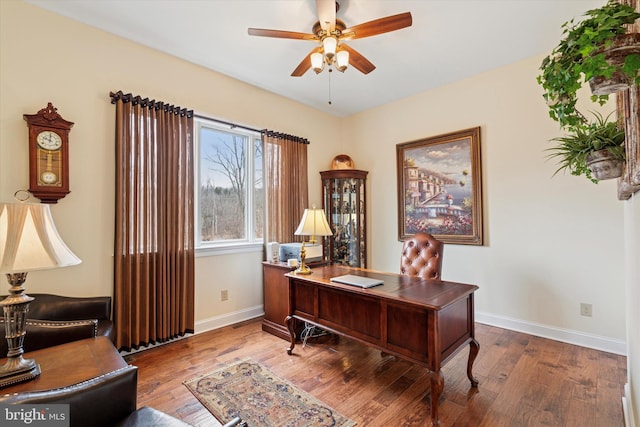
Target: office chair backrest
(422, 256)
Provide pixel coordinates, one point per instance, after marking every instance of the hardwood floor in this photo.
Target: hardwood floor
(524, 380)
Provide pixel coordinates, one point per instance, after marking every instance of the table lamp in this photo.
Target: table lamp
(28, 241)
(313, 223)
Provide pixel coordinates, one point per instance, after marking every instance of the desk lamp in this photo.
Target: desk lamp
(313, 223)
(28, 241)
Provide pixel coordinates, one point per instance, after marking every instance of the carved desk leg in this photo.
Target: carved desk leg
(474, 348)
(291, 325)
(437, 385)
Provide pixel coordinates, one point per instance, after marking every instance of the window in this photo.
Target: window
(229, 187)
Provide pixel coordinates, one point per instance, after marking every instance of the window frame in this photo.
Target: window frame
(250, 243)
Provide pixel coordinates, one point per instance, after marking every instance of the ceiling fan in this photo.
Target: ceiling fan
(331, 34)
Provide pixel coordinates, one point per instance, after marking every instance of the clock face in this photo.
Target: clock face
(49, 140)
(48, 177)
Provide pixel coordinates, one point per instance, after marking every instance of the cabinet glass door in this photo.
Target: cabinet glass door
(344, 205)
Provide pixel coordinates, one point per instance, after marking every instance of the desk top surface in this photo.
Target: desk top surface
(433, 294)
(70, 363)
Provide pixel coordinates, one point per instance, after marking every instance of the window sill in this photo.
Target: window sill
(236, 248)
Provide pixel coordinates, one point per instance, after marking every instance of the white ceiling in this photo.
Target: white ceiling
(449, 40)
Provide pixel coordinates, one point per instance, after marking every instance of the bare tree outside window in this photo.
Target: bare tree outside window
(229, 160)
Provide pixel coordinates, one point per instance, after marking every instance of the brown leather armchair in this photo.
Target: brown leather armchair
(422, 256)
(54, 320)
(105, 401)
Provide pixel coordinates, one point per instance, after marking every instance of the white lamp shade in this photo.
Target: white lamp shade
(342, 60)
(29, 240)
(329, 44)
(316, 62)
(313, 223)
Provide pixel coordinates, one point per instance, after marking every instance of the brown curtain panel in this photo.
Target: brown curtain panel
(154, 236)
(286, 184)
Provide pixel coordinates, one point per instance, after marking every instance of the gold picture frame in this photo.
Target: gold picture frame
(440, 187)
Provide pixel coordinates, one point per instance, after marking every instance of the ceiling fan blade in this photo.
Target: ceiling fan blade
(327, 14)
(304, 66)
(358, 61)
(281, 34)
(378, 26)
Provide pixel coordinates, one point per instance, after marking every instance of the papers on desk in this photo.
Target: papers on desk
(359, 281)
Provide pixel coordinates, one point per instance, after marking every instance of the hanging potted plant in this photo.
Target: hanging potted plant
(583, 55)
(595, 150)
(621, 59)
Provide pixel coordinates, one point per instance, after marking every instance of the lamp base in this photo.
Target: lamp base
(17, 370)
(15, 307)
(303, 269)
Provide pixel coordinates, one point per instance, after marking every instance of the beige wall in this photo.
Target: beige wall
(544, 236)
(551, 243)
(48, 58)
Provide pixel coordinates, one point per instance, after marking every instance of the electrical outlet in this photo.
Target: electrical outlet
(585, 309)
(224, 295)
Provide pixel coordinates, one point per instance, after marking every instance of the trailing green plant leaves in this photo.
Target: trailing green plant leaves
(572, 149)
(572, 63)
(631, 66)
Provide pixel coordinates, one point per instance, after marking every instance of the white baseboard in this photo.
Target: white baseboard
(627, 407)
(565, 335)
(229, 319)
(210, 324)
(582, 339)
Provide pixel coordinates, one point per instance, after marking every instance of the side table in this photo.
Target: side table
(71, 363)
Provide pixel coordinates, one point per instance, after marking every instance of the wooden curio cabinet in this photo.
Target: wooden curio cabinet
(344, 203)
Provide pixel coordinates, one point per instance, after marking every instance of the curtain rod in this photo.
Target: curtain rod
(233, 125)
(260, 131)
(150, 103)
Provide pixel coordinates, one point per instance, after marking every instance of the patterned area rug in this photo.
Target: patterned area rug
(261, 398)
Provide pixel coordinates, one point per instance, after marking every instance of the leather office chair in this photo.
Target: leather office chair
(422, 256)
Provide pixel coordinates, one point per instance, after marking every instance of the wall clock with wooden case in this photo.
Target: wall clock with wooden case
(48, 154)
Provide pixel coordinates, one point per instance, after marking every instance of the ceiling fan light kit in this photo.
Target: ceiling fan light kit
(339, 58)
(330, 34)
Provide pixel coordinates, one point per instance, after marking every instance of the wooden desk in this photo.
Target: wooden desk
(69, 364)
(276, 296)
(423, 321)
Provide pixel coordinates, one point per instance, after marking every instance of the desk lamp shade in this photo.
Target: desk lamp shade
(28, 241)
(314, 223)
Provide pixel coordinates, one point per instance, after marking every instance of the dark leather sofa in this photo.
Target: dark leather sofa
(54, 319)
(106, 401)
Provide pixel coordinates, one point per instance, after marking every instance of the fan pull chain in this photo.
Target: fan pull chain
(330, 70)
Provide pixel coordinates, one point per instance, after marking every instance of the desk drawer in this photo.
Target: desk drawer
(344, 312)
(355, 314)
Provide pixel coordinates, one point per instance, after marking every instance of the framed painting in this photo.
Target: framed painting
(440, 187)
